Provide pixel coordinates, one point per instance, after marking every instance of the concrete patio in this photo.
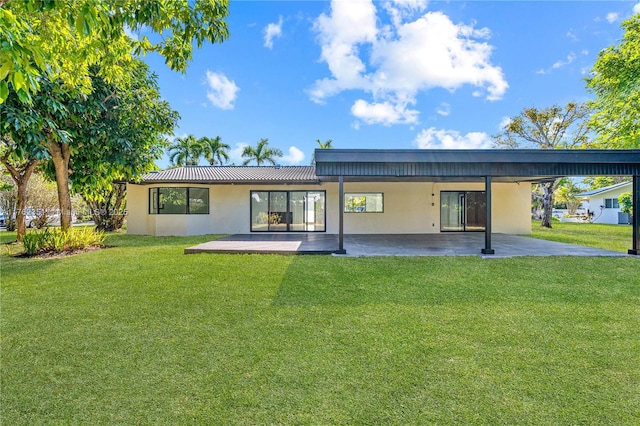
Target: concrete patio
(442, 244)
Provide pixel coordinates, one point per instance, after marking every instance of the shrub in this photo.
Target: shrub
(626, 203)
(32, 241)
(55, 240)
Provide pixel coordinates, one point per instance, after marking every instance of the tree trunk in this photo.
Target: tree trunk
(108, 214)
(547, 202)
(60, 156)
(21, 176)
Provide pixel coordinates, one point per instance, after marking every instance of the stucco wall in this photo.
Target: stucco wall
(604, 215)
(409, 207)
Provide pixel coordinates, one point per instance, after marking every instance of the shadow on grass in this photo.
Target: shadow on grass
(322, 281)
(122, 239)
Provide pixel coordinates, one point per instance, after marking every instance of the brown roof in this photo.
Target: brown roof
(234, 174)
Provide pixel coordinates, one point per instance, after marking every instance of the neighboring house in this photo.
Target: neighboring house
(603, 202)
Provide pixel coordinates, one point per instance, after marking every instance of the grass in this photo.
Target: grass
(609, 237)
(142, 334)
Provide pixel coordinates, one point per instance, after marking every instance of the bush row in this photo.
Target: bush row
(55, 240)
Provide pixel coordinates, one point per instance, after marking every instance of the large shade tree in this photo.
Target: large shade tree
(615, 81)
(548, 128)
(121, 143)
(20, 154)
(62, 39)
(49, 48)
(261, 153)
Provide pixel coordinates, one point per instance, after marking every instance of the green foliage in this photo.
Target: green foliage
(56, 240)
(626, 202)
(214, 150)
(567, 194)
(185, 151)
(604, 181)
(615, 81)
(62, 39)
(261, 153)
(549, 128)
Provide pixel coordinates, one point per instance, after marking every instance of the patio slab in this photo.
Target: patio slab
(270, 244)
(443, 244)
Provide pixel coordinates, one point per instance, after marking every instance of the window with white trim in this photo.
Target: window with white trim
(611, 203)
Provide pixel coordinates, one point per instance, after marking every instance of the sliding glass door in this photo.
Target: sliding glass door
(288, 211)
(462, 211)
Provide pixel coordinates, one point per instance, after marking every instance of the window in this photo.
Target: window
(611, 203)
(288, 211)
(366, 202)
(173, 200)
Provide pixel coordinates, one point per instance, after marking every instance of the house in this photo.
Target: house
(603, 203)
(352, 191)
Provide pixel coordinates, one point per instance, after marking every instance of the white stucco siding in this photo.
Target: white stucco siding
(511, 208)
(597, 204)
(139, 222)
(409, 208)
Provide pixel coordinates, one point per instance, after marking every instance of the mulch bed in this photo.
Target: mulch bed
(59, 254)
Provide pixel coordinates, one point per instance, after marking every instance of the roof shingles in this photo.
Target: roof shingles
(234, 174)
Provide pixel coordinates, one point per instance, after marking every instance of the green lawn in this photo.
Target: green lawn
(142, 334)
(609, 237)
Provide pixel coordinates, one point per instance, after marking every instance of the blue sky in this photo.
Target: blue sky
(386, 74)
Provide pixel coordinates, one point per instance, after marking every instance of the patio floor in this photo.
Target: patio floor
(443, 244)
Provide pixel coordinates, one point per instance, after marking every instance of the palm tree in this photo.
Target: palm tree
(214, 150)
(185, 151)
(261, 153)
(323, 145)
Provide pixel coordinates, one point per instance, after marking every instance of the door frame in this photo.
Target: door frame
(462, 195)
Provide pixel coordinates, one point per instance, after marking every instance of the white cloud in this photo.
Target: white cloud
(235, 153)
(130, 33)
(433, 138)
(444, 109)
(413, 56)
(612, 17)
(222, 92)
(272, 31)
(559, 64)
(504, 123)
(400, 10)
(636, 8)
(295, 156)
(385, 113)
(572, 35)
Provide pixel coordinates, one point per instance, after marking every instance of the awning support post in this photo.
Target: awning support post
(487, 226)
(341, 249)
(635, 197)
